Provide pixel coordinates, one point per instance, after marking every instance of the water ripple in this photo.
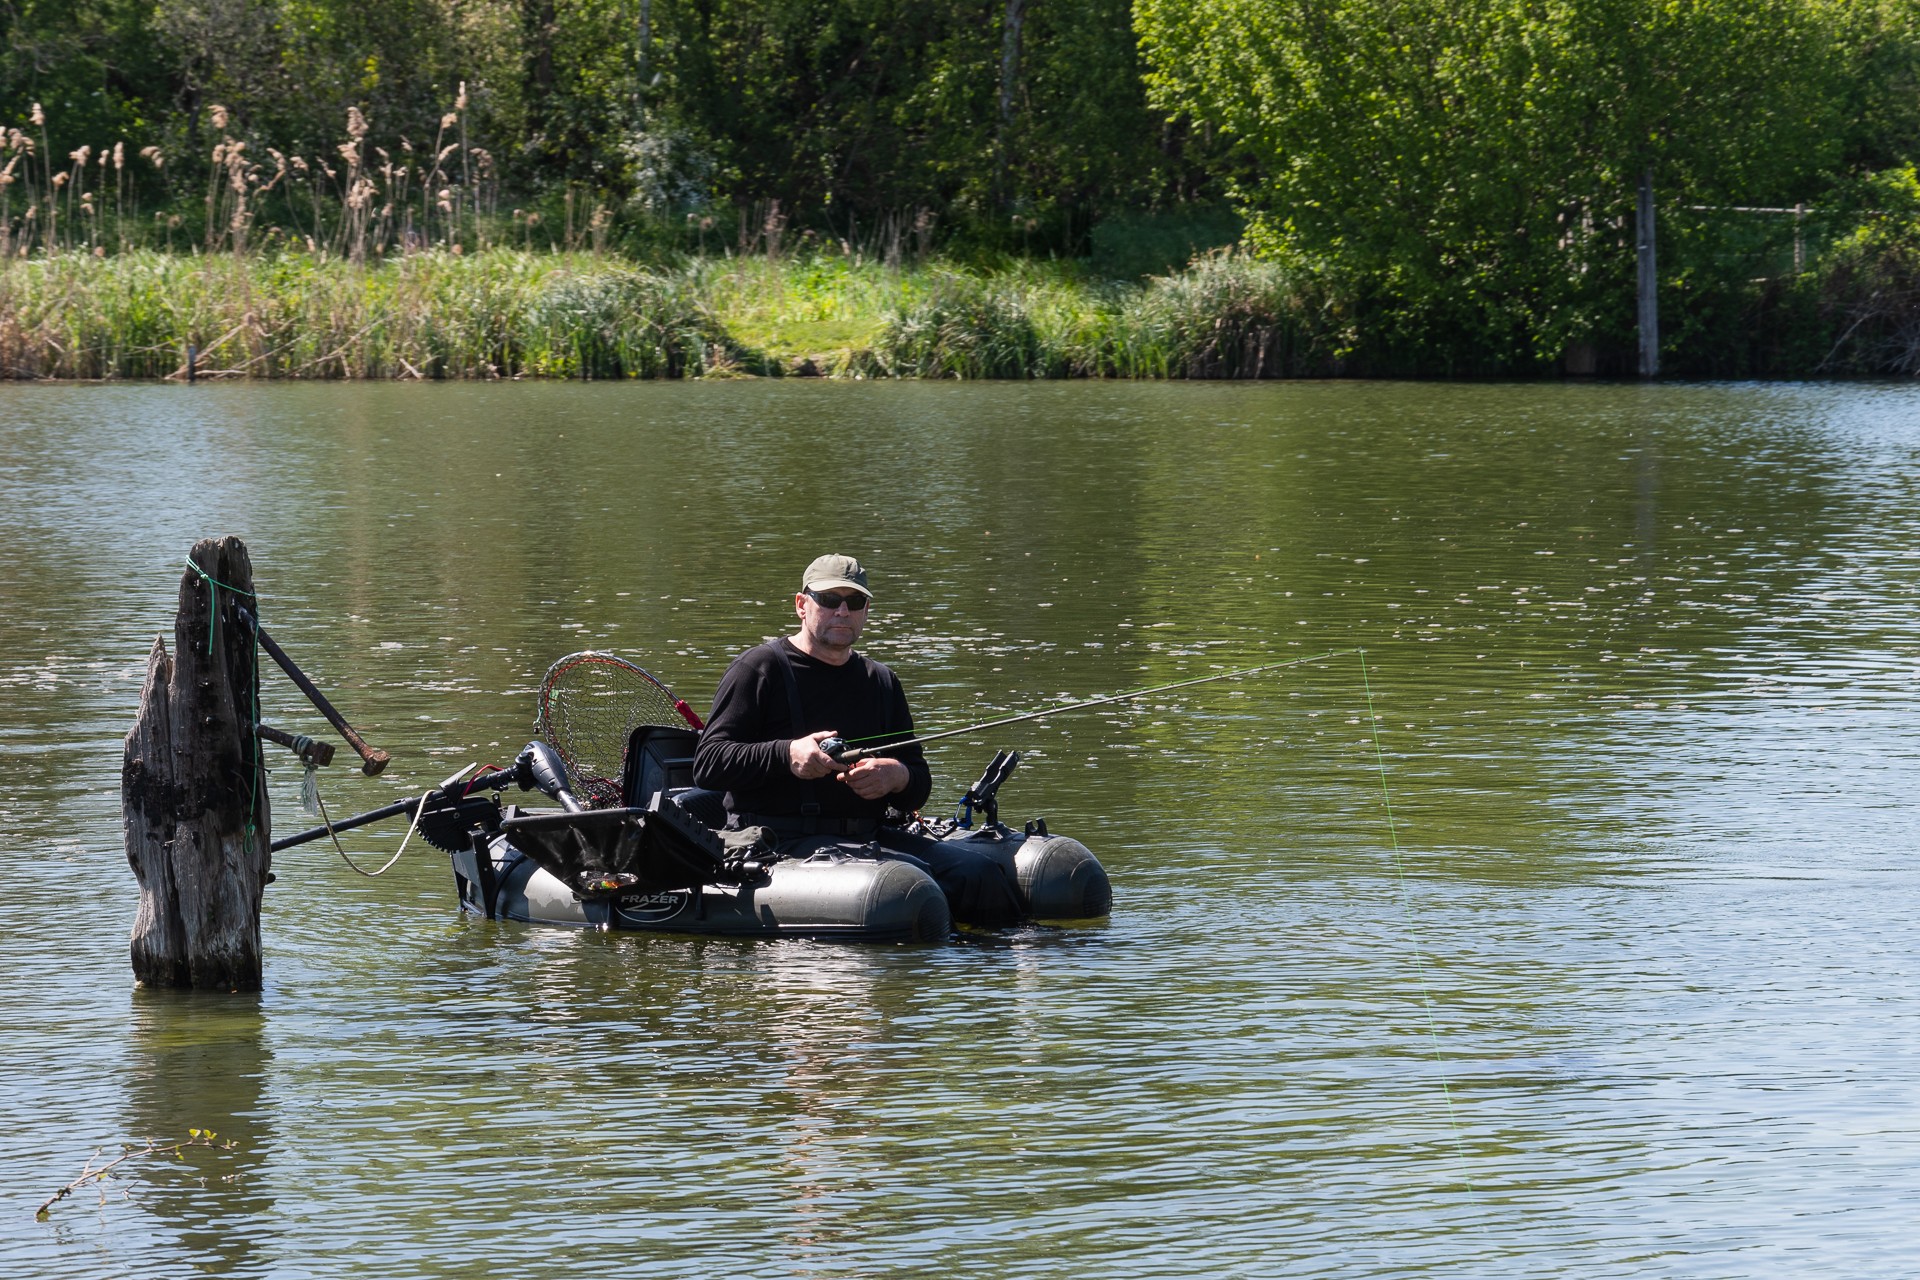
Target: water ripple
(1625, 989)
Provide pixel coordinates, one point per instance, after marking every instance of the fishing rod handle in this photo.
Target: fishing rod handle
(837, 750)
(394, 810)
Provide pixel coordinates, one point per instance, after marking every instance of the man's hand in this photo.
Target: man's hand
(807, 760)
(874, 778)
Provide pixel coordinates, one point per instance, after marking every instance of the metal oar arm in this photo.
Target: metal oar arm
(532, 770)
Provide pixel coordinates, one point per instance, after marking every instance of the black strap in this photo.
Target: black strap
(791, 679)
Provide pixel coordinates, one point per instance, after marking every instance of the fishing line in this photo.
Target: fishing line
(832, 745)
(1406, 916)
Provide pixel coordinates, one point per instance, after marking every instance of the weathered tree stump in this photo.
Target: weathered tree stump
(194, 790)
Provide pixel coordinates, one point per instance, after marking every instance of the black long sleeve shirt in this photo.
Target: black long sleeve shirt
(743, 750)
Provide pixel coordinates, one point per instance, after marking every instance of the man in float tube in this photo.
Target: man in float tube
(780, 700)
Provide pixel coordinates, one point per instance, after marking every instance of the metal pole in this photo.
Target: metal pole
(1649, 308)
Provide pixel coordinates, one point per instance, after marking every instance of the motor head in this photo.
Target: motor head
(539, 764)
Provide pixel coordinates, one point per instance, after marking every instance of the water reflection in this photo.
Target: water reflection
(200, 1062)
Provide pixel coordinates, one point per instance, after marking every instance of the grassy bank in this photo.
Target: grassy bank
(1223, 317)
(501, 314)
(508, 313)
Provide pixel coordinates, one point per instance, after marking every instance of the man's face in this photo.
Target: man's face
(834, 627)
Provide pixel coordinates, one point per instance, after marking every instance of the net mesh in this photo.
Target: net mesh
(590, 704)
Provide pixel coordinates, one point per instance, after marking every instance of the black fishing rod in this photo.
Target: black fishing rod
(843, 753)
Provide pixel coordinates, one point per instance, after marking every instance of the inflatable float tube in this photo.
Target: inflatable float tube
(664, 868)
(531, 871)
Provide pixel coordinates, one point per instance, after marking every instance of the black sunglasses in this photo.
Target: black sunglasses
(854, 603)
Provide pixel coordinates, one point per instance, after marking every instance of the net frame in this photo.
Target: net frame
(590, 704)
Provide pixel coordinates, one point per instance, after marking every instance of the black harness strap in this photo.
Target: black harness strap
(791, 678)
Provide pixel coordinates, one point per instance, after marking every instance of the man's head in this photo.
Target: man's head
(832, 606)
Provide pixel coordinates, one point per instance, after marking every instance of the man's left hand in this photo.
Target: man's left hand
(874, 778)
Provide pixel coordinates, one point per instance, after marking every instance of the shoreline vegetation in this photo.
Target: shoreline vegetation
(514, 313)
(505, 313)
(362, 262)
(1213, 204)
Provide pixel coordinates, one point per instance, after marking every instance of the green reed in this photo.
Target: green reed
(500, 314)
(507, 313)
(512, 313)
(1225, 316)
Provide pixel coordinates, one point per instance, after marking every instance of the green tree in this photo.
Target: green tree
(94, 65)
(1466, 168)
(287, 70)
(847, 111)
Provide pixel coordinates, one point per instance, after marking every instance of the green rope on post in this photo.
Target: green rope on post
(214, 587)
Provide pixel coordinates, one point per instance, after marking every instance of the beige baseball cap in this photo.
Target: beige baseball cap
(829, 572)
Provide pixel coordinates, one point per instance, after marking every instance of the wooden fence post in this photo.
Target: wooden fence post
(193, 788)
(1649, 300)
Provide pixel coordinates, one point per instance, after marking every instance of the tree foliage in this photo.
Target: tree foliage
(1012, 118)
(1470, 165)
(95, 63)
(869, 107)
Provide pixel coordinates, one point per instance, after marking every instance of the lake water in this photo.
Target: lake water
(1626, 986)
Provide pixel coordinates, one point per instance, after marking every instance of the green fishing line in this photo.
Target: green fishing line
(1406, 915)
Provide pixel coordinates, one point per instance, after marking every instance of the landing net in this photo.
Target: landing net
(590, 704)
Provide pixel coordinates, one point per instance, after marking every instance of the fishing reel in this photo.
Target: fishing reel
(449, 814)
(538, 767)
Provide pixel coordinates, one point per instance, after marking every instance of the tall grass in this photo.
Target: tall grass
(1225, 316)
(357, 200)
(1229, 316)
(814, 315)
(510, 313)
(501, 314)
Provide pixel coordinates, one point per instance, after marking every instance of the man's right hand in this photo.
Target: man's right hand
(807, 760)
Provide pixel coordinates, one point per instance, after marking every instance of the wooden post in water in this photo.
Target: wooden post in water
(1649, 308)
(193, 789)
